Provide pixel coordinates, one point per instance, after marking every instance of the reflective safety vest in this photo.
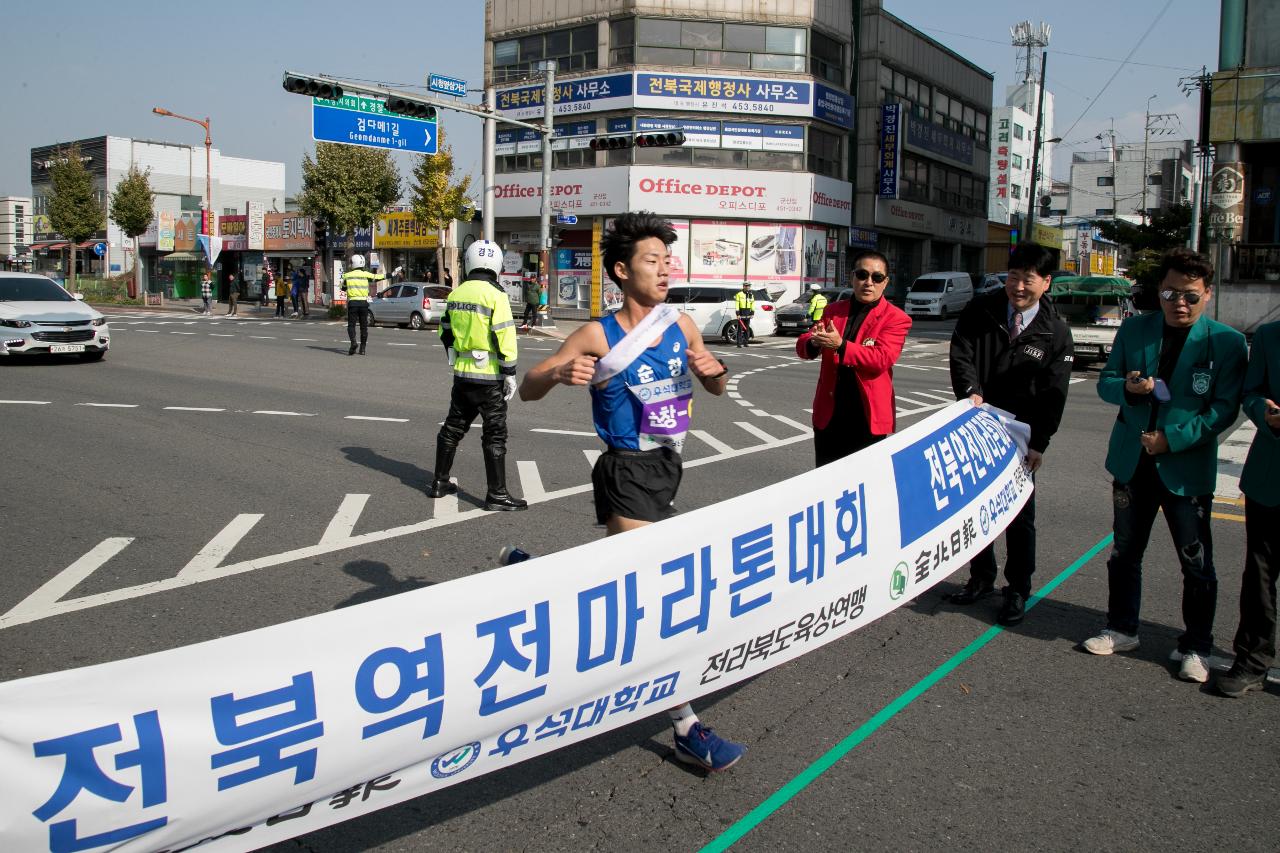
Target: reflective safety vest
(477, 324)
(816, 304)
(744, 301)
(356, 284)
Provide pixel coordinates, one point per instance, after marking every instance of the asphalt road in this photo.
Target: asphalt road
(237, 444)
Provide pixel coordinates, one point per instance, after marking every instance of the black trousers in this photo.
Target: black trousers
(1020, 545)
(841, 439)
(1256, 637)
(530, 314)
(468, 399)
(358, 310)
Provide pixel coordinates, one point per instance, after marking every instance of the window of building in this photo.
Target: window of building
(1019, 132)
(1016, 160)
(574, 49)
(826, 58)
(824, 154)
(664, 41)
(573, 158)
(1015, 191)
(1104, 211)
(1155, 180)
(622, 41)
(1106, 181)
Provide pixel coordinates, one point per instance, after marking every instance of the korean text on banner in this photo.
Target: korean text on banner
(245, 739)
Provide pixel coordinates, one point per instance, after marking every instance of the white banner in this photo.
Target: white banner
(262, 736)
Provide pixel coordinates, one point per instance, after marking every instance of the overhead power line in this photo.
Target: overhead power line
(1065, 52)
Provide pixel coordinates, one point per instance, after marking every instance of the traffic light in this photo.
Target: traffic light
(406, 107)
(1046, 204)
(610, 143)
(321, 231)
(310, 86)
(660, 140)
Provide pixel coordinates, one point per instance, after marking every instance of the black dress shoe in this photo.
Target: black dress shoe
(1239, 681)
(352, 351)
(1013, 609)
(974, 590)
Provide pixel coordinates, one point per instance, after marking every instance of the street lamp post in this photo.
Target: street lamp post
(208, 159)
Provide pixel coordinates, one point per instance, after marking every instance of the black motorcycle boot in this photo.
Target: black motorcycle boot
(498, 498)
(441, 486)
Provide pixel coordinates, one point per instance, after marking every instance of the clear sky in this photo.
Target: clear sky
(75, 69)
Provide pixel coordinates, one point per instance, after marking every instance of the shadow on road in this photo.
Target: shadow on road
(380, 580)
(338, 350)
(406, 472)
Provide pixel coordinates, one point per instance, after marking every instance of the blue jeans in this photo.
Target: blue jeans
(1134, 512)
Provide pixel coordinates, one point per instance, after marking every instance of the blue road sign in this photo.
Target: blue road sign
(353, 120)
(99, 249)
(447, 85)
(567, 219)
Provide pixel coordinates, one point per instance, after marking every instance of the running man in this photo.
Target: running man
(647, 351)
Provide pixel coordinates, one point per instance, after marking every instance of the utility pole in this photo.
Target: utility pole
(490, 143)
(1146, 136)
(544, 247)
(1111, 136)
(1032, 194)
(1203, 83)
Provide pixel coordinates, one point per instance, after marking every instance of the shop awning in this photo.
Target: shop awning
(46, 247)
(296, 254)
(183, 256)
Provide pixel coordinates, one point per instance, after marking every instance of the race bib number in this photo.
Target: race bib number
(664, 412)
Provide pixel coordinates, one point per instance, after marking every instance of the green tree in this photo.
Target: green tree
(1168, 228)
(436, 199)
(73, 211)
(131, 209)
(346, 186)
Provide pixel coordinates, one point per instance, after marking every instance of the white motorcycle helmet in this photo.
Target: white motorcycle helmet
(357, 262)
(483, 255)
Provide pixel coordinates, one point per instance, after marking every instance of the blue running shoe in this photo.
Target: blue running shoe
(702, 746)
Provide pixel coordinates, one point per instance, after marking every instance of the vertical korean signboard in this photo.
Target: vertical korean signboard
(890, 150)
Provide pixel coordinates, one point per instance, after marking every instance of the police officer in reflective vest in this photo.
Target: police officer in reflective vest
(817, 303)
(479, 336)
(746, 306)
(356, 284)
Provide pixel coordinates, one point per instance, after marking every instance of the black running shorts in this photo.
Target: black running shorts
(638, 484)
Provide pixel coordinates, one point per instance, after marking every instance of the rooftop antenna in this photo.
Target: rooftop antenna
(1031, 40)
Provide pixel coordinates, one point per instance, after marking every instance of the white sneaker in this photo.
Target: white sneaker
(1194, 668)
(1108, 642)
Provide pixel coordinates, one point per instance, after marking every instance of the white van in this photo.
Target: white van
(713, 310)
(939, 294)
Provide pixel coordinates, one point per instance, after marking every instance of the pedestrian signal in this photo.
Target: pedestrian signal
(406, 107)
(659, 140)
(310, 86)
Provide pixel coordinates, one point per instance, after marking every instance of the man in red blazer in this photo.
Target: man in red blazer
(858, 340)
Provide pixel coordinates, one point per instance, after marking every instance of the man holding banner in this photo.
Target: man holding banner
(639, 363)
(1011, 349)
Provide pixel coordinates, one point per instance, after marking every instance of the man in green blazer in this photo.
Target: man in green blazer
(1176, 376)
(1260, 481)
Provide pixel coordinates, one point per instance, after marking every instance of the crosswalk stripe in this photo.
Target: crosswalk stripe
(343, 523)
(714, 443)
(212, 554)
(530, 480)
(755, 430)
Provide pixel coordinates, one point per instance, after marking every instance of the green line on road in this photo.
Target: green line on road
(824, 763)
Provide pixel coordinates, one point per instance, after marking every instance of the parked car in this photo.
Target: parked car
(38, 316)
(712, 308)
(939, 294)
(413, 304)
(1094, 306)
(992, 281)
(793, 318)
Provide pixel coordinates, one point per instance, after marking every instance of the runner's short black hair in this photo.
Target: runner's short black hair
(873, 255)
(1189, 263)
(619, 242)
(1032, 256)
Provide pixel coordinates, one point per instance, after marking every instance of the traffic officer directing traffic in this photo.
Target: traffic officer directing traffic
(356, 283)
(479, 336)
(746, 305)
(816, 304)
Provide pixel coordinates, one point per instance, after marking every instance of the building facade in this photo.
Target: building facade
(177, 177)
(15, 232)
(922, 196)
(1013, 154)
(1130, 180)
(1244, 127)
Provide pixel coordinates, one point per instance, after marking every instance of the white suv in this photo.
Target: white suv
(712, 308)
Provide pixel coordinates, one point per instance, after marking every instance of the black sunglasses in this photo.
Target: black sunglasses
(863, 275)
(1191, 296)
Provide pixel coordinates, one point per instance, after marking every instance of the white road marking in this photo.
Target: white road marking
(371, 418)
(706, 438)
(182, 333)
(287, 414)
(220, 546)
(390, 344)
(1075, 379)
(592, 455)
(756, 431)
(746, 404)
(214, 335)
(910, 366)
(263, 337)
(191, 409)
(530, 481)
(920, 409)
(302, 339)
(148, 331)
(110, 405)
(26, 402)
(563, 432)
(789, 422)
(760, 413)
(447, 506)
(66, 580)
(1231, 455)
(343, 523)
(950, 399)
(734, 395)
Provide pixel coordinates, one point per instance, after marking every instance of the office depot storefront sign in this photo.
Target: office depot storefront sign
(740, 194)
(576, 191)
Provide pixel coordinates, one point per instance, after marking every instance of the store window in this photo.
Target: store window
(826, 58)
(714, 44)
(574, 49)
(824, 154)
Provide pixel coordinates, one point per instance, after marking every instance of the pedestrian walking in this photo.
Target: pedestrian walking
(859, 341)
(636, 478)
(448, 278)
(206, 291)
(1175, 375)
(479, 338)
(745, 304)
(1255, 642)
(281, 287)
(298, 286)
(233, 294)
(532, 299)
(356, 283)
(1011, 349)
